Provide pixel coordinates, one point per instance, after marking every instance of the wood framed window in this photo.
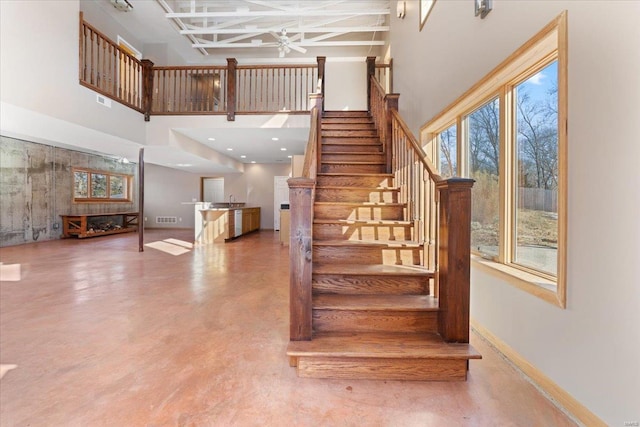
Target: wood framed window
(511, 138)
(91, 186)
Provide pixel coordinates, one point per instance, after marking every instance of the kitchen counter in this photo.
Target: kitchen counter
(219, 224)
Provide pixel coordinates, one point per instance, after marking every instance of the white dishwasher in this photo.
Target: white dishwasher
(237, 221)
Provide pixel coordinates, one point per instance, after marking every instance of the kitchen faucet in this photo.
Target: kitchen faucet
(230, 199)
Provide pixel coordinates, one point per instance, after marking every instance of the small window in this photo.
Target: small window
(97, 186)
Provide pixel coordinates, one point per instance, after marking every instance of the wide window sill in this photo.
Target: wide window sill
(536, 285)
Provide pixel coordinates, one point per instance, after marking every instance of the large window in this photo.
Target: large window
(98, 186)
(508, 133)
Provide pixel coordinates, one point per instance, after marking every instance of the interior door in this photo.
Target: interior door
(280, 195)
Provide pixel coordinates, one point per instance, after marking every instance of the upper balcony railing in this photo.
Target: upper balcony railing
(191, 90)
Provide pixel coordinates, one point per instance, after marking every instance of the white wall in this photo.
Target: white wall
(39, 69)
(345, 85)
(591, 349)
(169, 192)
(255, 188)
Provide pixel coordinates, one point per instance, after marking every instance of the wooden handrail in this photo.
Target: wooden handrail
(109, 70)
(424, 159)
(309, 168)
(440, 210)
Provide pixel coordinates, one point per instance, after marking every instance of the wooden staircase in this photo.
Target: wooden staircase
(373, 312)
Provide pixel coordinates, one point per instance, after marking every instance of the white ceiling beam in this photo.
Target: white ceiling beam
(178, 23)
(268, 13)
(306, 43)
(222, 25)
(324, 37)
(272, 4)
(314, 29)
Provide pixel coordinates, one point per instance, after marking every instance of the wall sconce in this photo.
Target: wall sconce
(483, 7)
(401, 9)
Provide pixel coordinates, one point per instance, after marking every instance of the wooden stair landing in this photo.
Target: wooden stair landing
(393, 356)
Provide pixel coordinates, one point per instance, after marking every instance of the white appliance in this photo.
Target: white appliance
(237, 221)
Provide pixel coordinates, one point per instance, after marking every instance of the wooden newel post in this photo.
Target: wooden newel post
(390, 103)
(454, 255)
(300, 252)
(147, 88)
(232, 63)
(321, 61)
(371, 71)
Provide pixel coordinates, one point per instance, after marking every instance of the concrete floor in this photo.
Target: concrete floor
(105, 336)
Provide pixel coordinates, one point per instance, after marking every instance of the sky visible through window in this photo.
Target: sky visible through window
(540, 84)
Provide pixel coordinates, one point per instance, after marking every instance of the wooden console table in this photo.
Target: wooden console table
(92, 225)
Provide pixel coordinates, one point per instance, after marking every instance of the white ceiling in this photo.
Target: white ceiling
(209, 31)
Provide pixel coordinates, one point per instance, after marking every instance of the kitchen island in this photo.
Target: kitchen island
(221, 224)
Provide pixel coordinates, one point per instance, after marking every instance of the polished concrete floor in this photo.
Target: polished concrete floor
(103, 335)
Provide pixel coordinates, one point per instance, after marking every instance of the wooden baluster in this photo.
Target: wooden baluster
(113, 74)
(102, 45)
(390, 103)
(295, 90)
(454, 259)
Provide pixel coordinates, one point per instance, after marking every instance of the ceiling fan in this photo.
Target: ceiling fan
(285, 43)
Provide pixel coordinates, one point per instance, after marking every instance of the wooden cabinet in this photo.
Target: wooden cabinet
(285, 226)
(93, 225)
(250, 220)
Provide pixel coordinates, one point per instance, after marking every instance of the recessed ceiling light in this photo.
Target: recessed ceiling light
(283, 149)
(253, 161)
(211, 139)
(275, 139)
(288, 157)
(184, 165)
(229, 149)
(243, 157)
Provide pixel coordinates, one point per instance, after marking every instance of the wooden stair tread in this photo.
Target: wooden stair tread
(382, 175)
(381, 345)
(364, 204)
(384, 222)
(349, 113)
(371, 269)
(374, 243)
(352, 153)
(345, 188)
(375, 302)
(365, 141)
(350, 162)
